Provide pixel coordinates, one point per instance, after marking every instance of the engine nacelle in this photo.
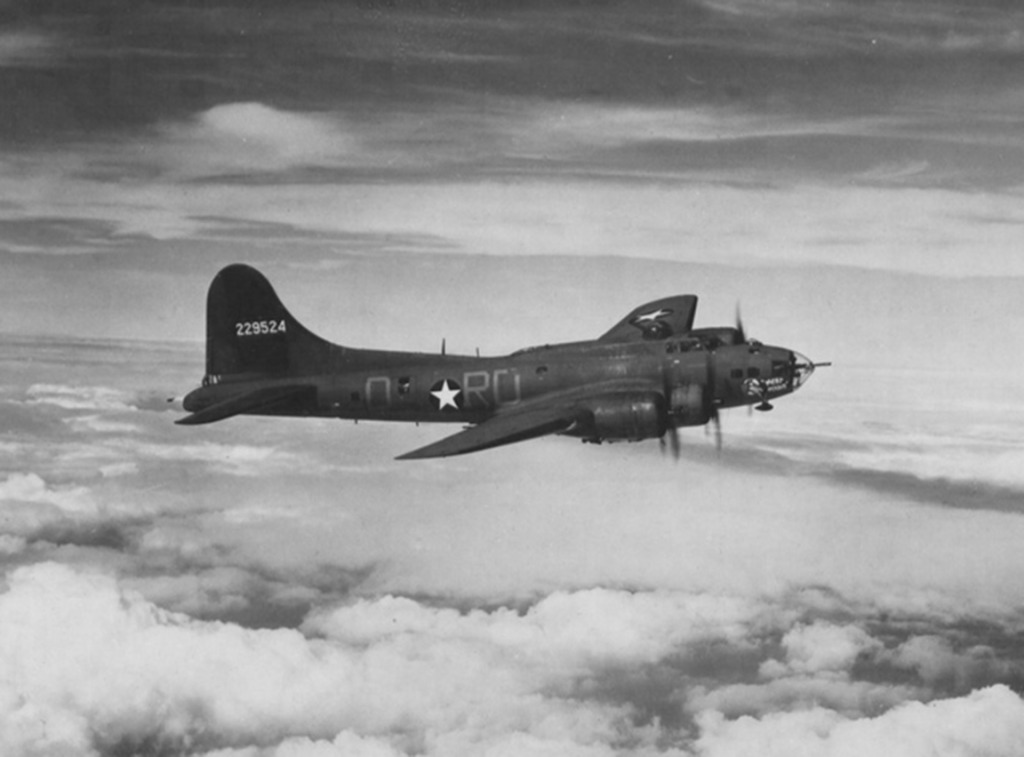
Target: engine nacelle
(627, 417)
(687, 406)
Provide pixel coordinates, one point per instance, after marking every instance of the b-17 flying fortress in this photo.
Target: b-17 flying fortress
(649, 375)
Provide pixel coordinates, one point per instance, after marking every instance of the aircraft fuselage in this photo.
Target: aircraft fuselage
(431, 388)
(649, 375)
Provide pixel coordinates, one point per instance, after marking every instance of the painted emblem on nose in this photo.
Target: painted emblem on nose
(446, 394)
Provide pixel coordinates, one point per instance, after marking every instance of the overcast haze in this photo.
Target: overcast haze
(843, 579)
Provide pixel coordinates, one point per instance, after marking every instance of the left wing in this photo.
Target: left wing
(671, 316)
(259, 400)
(516, 425)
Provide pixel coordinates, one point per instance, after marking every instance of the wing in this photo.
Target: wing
(260, 400)
(517, 425)
(671, 316)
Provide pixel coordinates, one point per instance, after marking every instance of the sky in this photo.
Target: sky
(843, 578)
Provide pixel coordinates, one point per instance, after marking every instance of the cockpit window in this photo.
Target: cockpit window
(753, 372)
(778, 367)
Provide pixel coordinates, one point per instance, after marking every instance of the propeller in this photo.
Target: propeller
(739, 326)
(673, 440)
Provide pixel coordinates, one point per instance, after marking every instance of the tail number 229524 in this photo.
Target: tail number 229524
(259, 328)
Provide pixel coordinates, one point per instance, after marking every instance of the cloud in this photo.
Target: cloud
(120, 672)
(821, 647)
(30, 488)
(27, 49)
(256, 137)
(576, 673)
(79, 397)
(921, 26)
(989, 721)
(939, 664)
(562, 632)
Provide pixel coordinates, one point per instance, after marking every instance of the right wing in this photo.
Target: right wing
(550, 414)
(516, 425)
(671, 316)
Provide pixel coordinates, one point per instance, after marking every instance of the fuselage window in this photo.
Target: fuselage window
(541, 370)
(404, 385)
(736, 373)
(354, 396)
(753, 372)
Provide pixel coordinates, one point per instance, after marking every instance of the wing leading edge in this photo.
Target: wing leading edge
(670, 316)
(514, 426)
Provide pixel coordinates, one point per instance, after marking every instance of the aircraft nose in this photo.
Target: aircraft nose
(801, 368)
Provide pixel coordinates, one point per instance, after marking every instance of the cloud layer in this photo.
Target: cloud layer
(283, 596)
(106, 671)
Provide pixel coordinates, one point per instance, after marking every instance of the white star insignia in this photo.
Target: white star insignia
(446, 395)
(652, 316)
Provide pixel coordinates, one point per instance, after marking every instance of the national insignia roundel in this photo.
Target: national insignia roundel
(641, 318)
(446, 395)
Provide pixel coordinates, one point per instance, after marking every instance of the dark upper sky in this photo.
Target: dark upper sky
(901, 80)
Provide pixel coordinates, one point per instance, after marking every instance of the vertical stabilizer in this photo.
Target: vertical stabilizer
(249, 331)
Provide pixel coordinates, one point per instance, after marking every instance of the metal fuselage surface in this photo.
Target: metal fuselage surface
(430, 388)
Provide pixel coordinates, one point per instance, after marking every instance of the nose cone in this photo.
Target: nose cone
(801, 368)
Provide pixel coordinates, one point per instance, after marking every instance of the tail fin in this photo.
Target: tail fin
(248, 330)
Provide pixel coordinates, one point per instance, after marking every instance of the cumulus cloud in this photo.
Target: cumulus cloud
(939, 663)
(30, 488)
(819, 647)
(89, 667)
(254, 137)
(989, 721)
(115, 671)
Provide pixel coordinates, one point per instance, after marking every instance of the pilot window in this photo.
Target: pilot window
(404, 385)
(736, 373)
(753, 372)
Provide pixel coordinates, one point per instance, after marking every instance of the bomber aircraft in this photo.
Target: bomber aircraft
(651, 374)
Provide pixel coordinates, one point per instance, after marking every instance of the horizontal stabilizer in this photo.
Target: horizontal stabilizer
(258, 401)
(516, 426)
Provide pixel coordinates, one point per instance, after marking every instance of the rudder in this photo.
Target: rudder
(249, 330)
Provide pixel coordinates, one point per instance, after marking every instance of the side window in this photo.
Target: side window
(404, 385)
(753, 372)
(736, 373)
(541, 370)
